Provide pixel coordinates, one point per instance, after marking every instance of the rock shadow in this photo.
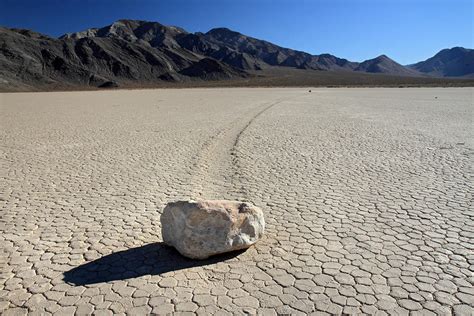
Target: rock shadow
(151, 259)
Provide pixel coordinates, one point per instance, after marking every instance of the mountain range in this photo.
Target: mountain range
(133, 52)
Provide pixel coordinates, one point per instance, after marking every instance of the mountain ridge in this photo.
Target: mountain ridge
(449, 62)
(134, 51)
(384, 64)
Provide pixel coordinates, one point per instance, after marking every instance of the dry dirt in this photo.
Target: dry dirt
(367, 195)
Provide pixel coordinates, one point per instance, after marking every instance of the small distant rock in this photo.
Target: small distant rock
(202, 229)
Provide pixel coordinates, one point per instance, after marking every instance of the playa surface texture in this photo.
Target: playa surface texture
(366, 195)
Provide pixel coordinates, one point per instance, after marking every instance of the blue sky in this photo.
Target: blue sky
(405, 30)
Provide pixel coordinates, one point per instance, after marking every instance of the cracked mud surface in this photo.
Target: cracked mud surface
(367, 195)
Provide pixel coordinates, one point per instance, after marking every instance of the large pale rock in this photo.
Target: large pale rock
(205, 228)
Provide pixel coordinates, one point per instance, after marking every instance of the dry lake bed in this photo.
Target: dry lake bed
(367, 195)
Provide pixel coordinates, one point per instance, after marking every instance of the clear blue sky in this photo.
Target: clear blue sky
(405, 30)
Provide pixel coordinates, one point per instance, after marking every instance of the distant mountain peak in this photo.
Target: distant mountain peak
(382, 57)
(133, 21)
(450, 62)
(126, 29)
(456, 48)
(384, 64)
(222, 30)
(378, 59)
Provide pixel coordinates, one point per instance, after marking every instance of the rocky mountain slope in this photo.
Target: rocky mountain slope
(249, 53)
(138, 52)
(96, 57)
(454, 62)
(385, 65)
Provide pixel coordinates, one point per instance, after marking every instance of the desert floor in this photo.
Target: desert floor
(367, 196)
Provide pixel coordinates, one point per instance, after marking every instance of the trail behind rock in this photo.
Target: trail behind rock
(216, 173)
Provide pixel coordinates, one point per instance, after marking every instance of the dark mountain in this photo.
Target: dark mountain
(384, 65)
(453, 62)
(140, 52)
(259, 53)
(199, 43)
(126, 51)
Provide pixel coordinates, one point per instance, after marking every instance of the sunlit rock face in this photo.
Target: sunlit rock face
(201, 229)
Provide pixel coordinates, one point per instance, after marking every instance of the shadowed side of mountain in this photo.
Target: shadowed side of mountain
(262, 53)
(384, 65)
(211, 69)
(30, 60)
(200, 44)
(453, 62)
(33, 60)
